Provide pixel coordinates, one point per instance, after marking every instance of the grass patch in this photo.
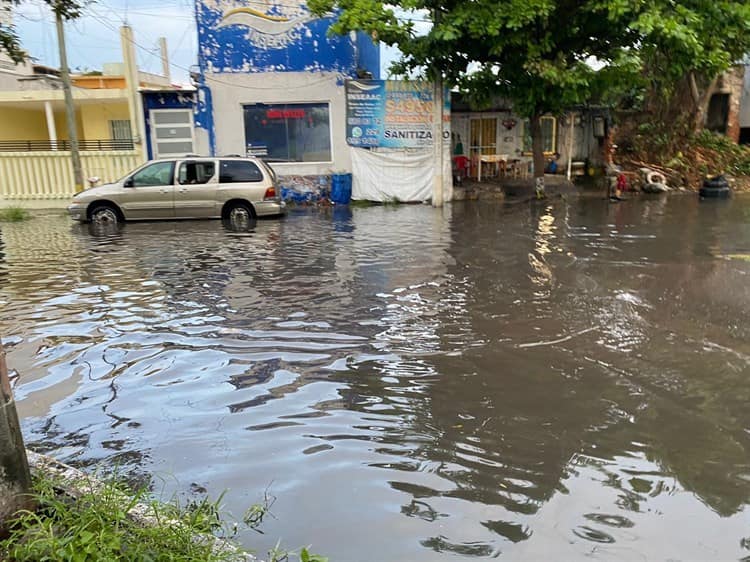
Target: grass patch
(14, 214)
(362, 203)
(112, 522)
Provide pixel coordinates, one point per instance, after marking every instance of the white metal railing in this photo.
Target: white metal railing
(49, 175)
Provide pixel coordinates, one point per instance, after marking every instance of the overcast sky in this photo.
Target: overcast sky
(94, 39)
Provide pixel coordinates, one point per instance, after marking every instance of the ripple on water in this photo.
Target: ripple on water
(375, 367)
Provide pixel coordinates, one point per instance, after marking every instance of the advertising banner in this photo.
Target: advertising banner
(392, 114)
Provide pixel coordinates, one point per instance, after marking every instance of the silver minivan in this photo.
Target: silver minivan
(185, 188)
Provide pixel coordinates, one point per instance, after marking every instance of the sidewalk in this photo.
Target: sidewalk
(512, 189)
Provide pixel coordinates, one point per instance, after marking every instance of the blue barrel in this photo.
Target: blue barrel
(341, 188)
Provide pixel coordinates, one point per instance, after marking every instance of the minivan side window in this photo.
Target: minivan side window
(192, 173)
(158, 173)
(236, 171)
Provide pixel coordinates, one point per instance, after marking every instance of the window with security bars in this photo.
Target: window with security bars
(119, 129)
(483, 136)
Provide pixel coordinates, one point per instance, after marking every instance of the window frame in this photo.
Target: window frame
(276, 104)
(211, 180)
(527, 126)
(172, 163)
(120, 126)
(246, 161)
(484, 147)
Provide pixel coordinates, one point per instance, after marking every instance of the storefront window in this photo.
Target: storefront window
(299, 132)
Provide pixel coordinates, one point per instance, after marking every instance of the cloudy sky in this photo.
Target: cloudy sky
(94, 39)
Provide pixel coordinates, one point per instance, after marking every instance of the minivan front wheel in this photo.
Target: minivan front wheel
(104, 214)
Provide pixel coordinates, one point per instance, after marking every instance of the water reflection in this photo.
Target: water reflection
(561, 380)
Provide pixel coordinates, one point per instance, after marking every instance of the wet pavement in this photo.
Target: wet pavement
(548, 381)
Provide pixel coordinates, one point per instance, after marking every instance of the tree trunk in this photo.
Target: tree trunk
(15, 480)
(537, 148)
(701, 101)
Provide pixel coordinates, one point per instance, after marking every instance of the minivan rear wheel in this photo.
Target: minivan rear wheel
(239, 212)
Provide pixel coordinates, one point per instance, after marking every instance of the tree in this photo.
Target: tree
(686, 48)
(14, 469)
(10, 43)
(533, 52)
(547, 55)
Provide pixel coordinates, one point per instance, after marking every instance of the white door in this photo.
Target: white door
(172, 133)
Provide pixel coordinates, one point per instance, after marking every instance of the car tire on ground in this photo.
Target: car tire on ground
(104, 213)
(238, 211)
(714, 192)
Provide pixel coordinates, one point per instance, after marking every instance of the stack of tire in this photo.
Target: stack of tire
(713, 188)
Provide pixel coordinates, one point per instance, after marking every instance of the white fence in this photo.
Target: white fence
(49, 175)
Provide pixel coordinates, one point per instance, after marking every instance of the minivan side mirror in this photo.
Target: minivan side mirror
(128, 182)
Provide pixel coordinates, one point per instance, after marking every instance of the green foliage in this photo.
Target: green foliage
(538, 53)
(687, 160)
(693, 35)
(361, 203)
(532, 51)
(278, 554)
(727, 156)
(97, 527)
(14, 214)
(306, 556)
(255, 514)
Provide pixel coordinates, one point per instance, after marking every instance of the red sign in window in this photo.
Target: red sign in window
(285, 114)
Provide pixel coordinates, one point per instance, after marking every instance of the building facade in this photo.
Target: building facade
(271, 83)
(35, 158)
(498, 134)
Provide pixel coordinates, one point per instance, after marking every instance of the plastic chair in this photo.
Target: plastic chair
(460, 168)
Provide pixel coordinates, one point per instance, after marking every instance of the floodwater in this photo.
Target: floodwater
(553, 380)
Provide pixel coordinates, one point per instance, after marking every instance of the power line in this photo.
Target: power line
(108, 24)
(179, 43)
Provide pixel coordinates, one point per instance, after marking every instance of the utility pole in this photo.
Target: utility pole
(437, 117)
(437, 143)
(70, 111)
(132, 82)
(15, 480)
(164, 59)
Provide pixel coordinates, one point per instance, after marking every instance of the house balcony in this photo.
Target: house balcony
(100, 145)
(35, 159)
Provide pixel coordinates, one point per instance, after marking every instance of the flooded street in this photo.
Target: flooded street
(553, 380)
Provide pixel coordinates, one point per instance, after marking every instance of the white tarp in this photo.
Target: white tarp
(397, 175)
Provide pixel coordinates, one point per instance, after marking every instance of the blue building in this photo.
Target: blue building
(271, 83)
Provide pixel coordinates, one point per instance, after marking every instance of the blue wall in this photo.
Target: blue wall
(284, 37)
